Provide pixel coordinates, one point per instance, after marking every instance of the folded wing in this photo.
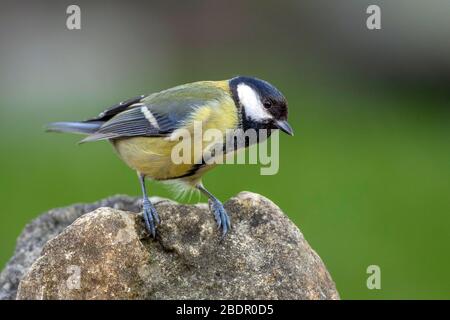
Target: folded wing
(155, 115)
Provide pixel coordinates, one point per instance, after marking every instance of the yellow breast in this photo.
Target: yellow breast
(151, 156)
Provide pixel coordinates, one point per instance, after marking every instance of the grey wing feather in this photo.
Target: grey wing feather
(116, 109)
(168, 109)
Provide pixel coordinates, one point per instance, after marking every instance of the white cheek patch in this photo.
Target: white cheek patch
(253, 106)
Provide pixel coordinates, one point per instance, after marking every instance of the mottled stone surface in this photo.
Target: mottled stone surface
(36, 234)
(106, 254)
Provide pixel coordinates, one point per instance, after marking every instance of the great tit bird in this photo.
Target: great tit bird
(140, 130)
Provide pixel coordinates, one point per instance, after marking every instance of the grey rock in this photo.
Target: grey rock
(48, 225)
(107, 254)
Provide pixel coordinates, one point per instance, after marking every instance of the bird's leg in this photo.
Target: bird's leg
(149, 212)
(220, 214)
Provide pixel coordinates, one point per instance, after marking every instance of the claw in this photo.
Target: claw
(156, 216)
(150, 217)
(149, 212)
(215, 208)
(221, 216)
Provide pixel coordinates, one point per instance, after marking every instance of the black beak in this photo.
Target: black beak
(284, 126)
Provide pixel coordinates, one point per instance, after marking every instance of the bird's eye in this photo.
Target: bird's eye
(267, 104)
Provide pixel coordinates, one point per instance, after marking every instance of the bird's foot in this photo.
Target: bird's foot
(151, 217)
(221, 216)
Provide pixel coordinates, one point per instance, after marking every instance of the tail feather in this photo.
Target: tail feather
(74, 127)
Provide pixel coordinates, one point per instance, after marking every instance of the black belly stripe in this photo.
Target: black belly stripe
(190, 173)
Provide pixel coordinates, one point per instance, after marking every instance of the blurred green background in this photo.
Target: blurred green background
(366, 176)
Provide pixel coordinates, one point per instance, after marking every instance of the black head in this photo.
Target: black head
(262, 105)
